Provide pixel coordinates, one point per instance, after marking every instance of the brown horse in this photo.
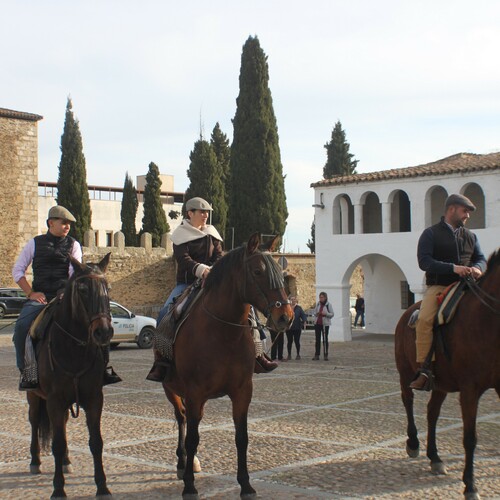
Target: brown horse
(214, 352)
(469, 364)
(70, 372)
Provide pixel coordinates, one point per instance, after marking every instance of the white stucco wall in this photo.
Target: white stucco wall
(387, 258)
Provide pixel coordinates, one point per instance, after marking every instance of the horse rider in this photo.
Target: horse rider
(197, 246)
(49, 256)
(446, 251)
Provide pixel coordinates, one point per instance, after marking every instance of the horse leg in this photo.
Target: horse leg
(469, 401)
(180, 416)
(412, 443)
(34, 418)
(67, 467)
(194, 413)
(433, 411)
(241, 402)
(59, 445)
(93, 414)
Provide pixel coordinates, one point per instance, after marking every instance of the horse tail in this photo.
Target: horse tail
(44, 427)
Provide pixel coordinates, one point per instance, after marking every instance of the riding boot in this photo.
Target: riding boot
(264, 365)
(423, 379)
(109, 375)
(159, 369)
(25, 384)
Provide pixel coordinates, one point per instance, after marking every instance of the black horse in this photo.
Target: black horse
(70, 368)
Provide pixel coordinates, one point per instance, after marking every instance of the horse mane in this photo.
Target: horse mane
(223, 266)
(493, 261)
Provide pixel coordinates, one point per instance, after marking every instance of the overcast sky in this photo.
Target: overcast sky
(411, 82)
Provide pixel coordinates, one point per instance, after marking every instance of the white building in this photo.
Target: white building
(105, 204)
(376, 219)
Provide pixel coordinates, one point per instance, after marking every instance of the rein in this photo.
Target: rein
(482, 296)
(276, 280)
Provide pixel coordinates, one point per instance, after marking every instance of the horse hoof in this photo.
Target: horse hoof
(35, 469)
(190, 496)
(180, 473)
(103, 493)
(249, 495)
(67, 469)
(472, 495)
(438, 469)
(196, 465)
(58, 495)
(412, 453)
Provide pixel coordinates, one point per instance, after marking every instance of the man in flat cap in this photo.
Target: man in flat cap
(49, 256)
(446, 251)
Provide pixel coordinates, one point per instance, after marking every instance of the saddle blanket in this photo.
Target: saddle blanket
(448, 301)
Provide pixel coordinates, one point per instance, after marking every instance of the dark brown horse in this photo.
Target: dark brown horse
(469, 365)
(70, 371)
(214, 352)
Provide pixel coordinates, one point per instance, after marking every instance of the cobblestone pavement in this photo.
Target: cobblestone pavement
(318, 429)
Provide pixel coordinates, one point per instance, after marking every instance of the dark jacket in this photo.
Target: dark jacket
(51, 263)
(439, 248)
(299, 318)
(206, 250)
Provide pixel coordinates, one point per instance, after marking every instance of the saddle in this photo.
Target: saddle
(448, 301)
(43, 320)
(166, 331)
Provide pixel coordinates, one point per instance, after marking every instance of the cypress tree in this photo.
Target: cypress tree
(339, 161)
(72, 189)
(311, 244)
(206, 178)
(129, 211)
(220, 145)
(154, 220)
(257, 194)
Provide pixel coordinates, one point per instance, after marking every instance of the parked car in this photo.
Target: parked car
(129, 327)
(11, 301)
(311, 319)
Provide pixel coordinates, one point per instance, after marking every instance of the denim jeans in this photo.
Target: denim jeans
(29, 312)
(179, 288)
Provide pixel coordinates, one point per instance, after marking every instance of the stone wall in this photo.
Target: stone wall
(18, 186)
(140, 280)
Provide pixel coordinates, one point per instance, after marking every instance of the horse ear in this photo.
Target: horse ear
(273, 245)
(77, 265)
(103, 265)
(253, 243)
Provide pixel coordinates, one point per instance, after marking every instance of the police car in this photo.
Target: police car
(129, 327)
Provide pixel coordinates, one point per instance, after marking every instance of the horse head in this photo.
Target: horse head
(89, 299)
(265, 284)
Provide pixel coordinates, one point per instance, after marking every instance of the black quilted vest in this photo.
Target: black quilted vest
(457, 250)
(51, 263)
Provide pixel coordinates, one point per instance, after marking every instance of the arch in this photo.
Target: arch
(380, 271)
(372, 213)
(400, 212)
(475, 193)
(343, 215)
(434, 204)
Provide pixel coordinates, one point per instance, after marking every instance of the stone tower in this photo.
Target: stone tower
(18, 186)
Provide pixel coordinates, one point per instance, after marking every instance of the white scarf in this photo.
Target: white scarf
(186, 232)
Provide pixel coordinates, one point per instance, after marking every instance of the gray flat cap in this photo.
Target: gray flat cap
(458, 199)
(198, 204)
(59, 212)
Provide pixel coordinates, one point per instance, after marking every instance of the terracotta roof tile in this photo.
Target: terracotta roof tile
(459, 163)
(19, 115)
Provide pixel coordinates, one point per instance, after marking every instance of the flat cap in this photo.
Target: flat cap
(458, 199)
(59, 212)
(198, 204)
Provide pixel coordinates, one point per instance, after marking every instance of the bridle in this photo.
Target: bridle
(276, 282)
(81, 343)
(481, 295)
